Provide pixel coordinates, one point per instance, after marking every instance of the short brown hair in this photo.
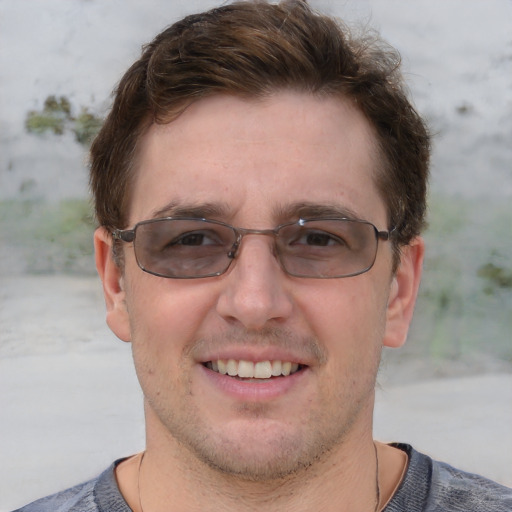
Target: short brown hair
(254, 49)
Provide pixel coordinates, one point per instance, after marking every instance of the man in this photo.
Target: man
(260, 187)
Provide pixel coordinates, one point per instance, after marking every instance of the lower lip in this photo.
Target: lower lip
(246, 390)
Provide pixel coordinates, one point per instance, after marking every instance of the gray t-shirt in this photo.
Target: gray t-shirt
(428, 486)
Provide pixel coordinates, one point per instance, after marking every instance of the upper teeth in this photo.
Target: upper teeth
(248, 369)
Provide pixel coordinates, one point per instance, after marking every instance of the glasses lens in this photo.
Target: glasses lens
(183, 248)
(327, 248)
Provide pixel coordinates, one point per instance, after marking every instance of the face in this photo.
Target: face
(257, 164)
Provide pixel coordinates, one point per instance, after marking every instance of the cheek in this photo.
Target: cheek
(349, 320)
(165, 321)
(165, 315)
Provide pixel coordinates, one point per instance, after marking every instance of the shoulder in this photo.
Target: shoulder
(433, 486)
(98, 495)
(79, 498)
(460, 490)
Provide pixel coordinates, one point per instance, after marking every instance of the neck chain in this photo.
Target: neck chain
(377, 484)
(138, 481)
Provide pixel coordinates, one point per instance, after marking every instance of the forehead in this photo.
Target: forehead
(251, 159)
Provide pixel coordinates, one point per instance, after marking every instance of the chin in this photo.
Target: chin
(262, 451)
(267, 465)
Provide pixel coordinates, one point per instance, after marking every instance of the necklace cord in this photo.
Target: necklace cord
(138, 481)
(377, 483)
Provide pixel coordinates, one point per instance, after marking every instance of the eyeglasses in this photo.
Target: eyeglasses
(189, 248)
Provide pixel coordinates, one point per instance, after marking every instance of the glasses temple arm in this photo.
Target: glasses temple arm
(126, 235)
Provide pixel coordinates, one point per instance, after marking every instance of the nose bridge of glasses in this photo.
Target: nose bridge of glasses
(242, 232)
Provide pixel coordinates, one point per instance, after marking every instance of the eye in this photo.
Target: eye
(197, 238)
(318, 239)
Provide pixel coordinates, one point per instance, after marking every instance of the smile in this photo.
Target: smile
(250, 370)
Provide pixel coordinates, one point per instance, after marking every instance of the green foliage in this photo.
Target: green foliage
(50, 237)
(52, 118)
(86, 126)
(467, 243)
(62, 105)
(496, 276)
(56, 117)
(64, 223)
(447, 215)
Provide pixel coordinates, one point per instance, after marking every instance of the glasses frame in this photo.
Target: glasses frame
(130, 235)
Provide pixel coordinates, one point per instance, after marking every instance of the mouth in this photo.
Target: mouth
(256, 371)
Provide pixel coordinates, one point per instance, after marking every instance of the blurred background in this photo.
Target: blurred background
(60, 60)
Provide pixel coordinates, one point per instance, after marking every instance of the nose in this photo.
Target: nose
(255, 292)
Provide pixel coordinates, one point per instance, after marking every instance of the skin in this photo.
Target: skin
(306, 441)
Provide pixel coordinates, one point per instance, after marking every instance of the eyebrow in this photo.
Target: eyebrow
(310, 210)
(283, 213)
(200, 211)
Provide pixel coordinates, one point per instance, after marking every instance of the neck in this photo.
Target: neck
(343, 480)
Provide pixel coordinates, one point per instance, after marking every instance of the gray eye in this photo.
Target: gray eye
(317, 239)
(198, 238)
(320, 239)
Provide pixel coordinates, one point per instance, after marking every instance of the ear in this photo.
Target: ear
(112, 279)
(402, 297)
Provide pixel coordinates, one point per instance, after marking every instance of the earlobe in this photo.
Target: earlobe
(112, 280)
(403, 292)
